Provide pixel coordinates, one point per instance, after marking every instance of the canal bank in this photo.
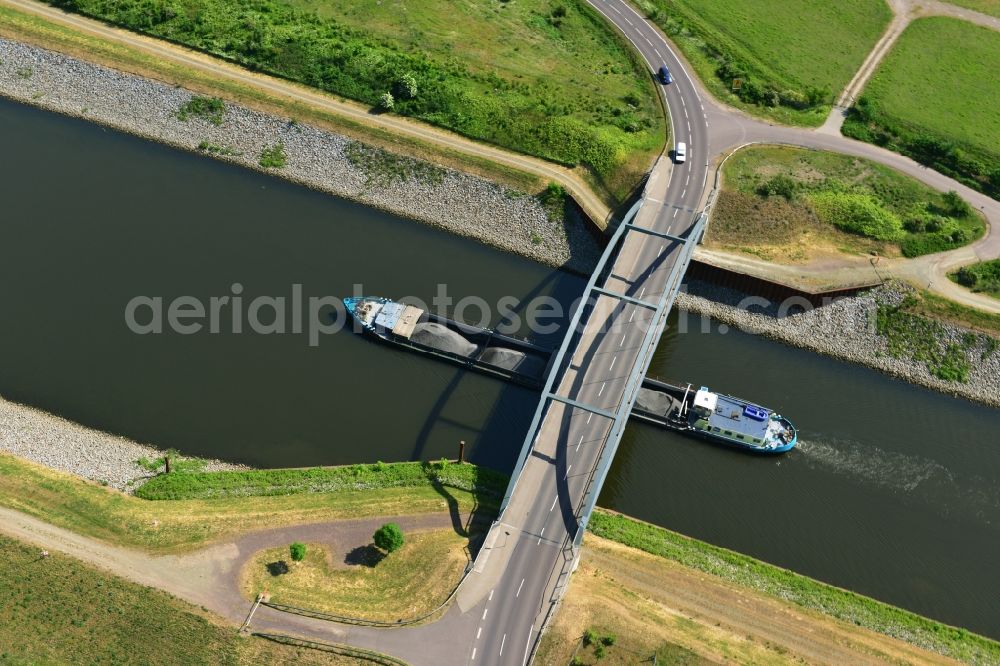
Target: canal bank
(460, 203)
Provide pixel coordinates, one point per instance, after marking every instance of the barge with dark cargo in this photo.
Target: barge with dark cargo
(716, 417)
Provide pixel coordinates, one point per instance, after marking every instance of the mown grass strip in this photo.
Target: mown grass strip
(260, 482)
(784, 584)
(228, 508)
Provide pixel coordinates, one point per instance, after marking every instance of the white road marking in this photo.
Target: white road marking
(658, 54)
(659, 252)
(473, 654)
(647, 41)
(631, 317)
(540, 537)
(519, 588)
(612, 362)
(577, 448)
(485, 611)
(602, 389)
(590, 416)
(683, 192)
(643, 291)
(687, 179)
(676, 210)
(567, 476)
(478, 632)
(491, 596)
(527, 646)
(622, 343)
(554, 500)
(683, 103)
(502, 641)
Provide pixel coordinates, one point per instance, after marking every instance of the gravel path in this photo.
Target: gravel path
(460, 203)
(69, 447)
(845, 330)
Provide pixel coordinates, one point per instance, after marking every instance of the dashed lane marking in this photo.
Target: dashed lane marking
(516, 594)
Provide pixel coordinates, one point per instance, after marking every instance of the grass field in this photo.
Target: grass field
(793, 57)
(934, 98)
(61, 611)
(545, 78)
(406, 584)
(982, 277)
(991, 7)
(790, 205)
(174, 525)
(789, 586)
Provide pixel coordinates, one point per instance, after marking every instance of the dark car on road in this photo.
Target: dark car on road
(664, 75)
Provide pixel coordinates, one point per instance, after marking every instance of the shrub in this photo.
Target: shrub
(407, 86)
(386, 102)
(297, 551)
(389, 537)
(857, 213)
(780, 185)
(211, 109)
(273, 157)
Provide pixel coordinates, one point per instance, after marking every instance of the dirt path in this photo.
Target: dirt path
(570, 180)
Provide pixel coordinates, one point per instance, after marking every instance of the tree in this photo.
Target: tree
(389, 537)
(297, 551)
(386, 102)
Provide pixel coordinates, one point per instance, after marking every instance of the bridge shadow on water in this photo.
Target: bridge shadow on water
(495, 443)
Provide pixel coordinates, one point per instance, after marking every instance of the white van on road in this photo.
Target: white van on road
(680, 152)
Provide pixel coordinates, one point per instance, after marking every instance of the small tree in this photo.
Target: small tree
(297, 551)
(389, 537)
(386, 102)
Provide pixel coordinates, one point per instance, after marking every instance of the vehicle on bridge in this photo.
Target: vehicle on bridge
(680, 152)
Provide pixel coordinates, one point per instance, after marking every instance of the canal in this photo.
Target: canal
(894, 491)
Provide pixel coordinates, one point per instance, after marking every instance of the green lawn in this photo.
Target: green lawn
(785, 203)
(991, 7)
(784, 51)
(935, 98)
(61, 611)
(789, 586)
(542, 77)
(983, 277)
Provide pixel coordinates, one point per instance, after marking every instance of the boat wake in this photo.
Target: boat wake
(911, 476)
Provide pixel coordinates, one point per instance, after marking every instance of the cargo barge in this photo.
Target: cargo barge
(716, 417)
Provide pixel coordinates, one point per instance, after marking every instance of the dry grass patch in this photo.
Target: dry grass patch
(405, 584)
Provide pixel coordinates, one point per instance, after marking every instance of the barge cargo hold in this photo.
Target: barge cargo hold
(712, 416)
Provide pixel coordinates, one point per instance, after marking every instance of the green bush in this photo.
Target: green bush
(211, 109)
(858, 213)
(780, 185)
(273, 157)
(982, 277)
(389, 537)
(386, 101)
(297, 551)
